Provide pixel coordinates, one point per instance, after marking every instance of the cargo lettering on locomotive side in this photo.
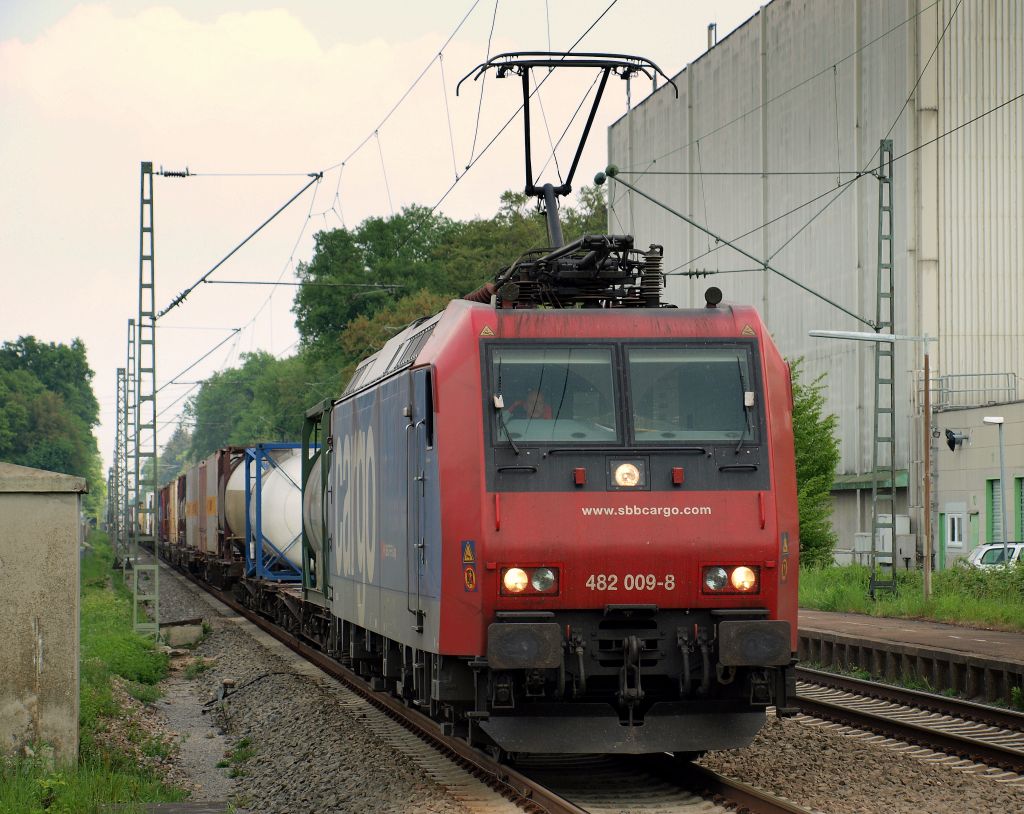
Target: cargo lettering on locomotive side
(359, 521)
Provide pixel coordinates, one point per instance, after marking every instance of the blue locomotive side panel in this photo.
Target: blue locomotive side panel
(383, 512)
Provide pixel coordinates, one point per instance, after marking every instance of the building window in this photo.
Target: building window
(993, 494)
(955, 531)
(1019, 504)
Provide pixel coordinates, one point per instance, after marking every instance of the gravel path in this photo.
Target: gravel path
(292, 739)
(822, 769)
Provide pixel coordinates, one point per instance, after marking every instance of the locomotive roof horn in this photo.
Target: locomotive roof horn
(521, 63)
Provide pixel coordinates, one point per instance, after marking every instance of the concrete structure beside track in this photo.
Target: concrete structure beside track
(981, 664)
(40, 537)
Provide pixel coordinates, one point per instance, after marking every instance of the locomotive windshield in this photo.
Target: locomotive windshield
(563, 394)
(691, 394)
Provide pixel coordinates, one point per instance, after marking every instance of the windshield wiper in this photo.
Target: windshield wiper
(499, 406)
(746, 407)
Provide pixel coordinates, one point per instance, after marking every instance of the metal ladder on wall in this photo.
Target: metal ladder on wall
(883, 459)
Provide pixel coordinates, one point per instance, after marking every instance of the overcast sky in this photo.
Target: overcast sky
(268, 91)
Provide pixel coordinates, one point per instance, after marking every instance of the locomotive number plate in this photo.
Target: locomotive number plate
(630, 582)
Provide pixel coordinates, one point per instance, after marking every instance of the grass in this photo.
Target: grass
(235, 758)
(109, 647)
(985, 598)
(198, 667)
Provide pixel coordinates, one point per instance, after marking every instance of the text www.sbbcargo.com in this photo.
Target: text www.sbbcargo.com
(644, 511)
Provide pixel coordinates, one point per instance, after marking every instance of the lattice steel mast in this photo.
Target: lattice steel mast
(883, 459)
(145, 585)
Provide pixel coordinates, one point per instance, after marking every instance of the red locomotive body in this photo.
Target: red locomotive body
(567, 530)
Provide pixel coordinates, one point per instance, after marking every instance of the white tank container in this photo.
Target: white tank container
(234, 502)
(282, 505)
(313, 506)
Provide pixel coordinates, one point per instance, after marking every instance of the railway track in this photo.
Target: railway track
(552, 784)
(987, 735)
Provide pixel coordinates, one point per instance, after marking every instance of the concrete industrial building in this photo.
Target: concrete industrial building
(765, 145)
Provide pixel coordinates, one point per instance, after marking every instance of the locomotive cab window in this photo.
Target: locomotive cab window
(692, 394)
(562, 395)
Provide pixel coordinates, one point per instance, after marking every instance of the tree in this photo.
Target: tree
(174, 457)
(360, 271)
(360, 288)
(48, 410)
(817, 457)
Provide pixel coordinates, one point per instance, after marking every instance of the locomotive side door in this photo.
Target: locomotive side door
(418, 429)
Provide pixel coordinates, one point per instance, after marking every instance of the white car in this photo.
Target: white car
(991, 555)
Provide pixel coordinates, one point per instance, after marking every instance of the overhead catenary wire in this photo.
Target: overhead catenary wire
(572, 119)
(483, 84)
(326, 284)
(315, 177)
(384, 172)
(448, 114)
(790, 89)
(234, 332)
(405, 94)
(765, 264)
(888, 133)
(837, 191)
(547, 130)
(515, 115)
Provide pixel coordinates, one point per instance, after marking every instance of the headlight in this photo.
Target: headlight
(731, 579)
(627, 475)
(515, 580)
(743, 579)
(715, 578)
(543, 580)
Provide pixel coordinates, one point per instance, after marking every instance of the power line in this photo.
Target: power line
(952, 130)
(384, 172)
(892, 127)
(314, 178)
(757, 173)
(480, 103)
(765, 264)
(448, 114)
(403, 97)
(234, 332)
(789, 90)
(387, 286)
(767, 223)
(841, 188)
(518, 110)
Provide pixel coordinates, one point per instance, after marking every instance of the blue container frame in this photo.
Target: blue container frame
(262, 558)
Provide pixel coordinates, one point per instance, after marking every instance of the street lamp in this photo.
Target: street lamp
(871, 336)
(998, 421)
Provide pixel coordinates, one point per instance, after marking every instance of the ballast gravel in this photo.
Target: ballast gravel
(821, 769)
(291, 744)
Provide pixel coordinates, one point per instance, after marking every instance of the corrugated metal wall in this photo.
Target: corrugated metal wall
(804, 92)
(981, 189)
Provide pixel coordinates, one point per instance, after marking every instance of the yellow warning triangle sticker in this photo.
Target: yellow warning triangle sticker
(467, 553)
(747, 331)
(487, 331)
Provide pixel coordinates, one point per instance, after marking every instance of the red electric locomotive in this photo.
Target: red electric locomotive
(561, 516)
